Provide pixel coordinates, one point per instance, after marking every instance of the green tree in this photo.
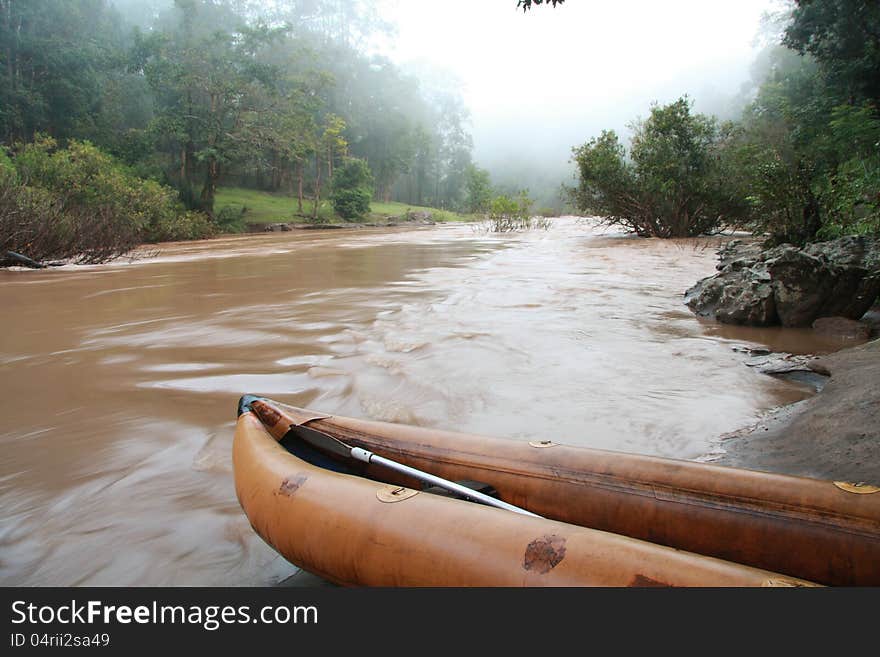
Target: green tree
(207, 83)
(670, 187)
(479, 189)
(805, 157)
(352, 189)
(54, 57)
(844, 37)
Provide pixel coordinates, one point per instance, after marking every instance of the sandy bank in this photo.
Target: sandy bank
(833, 435)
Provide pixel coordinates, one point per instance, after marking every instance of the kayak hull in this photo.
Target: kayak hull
(821, 531)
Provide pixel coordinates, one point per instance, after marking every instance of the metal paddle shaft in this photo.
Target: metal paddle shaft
(333, 445)
(475, 496)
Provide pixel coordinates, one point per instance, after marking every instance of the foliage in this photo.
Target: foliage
(352, 189)
(55, 56)
(807, 151)
(508, 214)
(230, 219)
(79, 202)
(671, 185)
(37, 224)
(479, 189)
(395, 209)
(843, 37)
(802, 163)
(854, 189)
(527, 4)
(7, 168)
(199, 94)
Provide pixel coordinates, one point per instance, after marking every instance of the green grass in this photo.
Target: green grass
(261, 207)
(268, 208)
(395, 209)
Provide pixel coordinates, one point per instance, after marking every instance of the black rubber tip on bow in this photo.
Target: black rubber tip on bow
(244, 404)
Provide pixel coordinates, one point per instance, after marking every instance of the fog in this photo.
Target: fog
(539, 82)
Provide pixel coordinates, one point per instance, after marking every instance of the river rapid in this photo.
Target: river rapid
(119, 383)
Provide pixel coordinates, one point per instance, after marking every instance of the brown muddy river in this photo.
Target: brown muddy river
(119, 383)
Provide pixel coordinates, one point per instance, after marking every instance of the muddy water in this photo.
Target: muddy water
(118, 383)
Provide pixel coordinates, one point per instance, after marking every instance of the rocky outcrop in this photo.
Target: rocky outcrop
(788, 285)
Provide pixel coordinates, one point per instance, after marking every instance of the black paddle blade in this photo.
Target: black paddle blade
(319, 440)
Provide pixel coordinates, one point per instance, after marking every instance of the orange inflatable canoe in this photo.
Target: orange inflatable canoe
(603, 518)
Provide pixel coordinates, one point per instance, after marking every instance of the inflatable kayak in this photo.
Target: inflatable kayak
(820, 531)
(354, 517)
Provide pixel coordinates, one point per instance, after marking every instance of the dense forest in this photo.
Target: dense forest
(114, 103)
(802, 162)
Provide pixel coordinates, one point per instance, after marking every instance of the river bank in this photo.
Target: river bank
(833, 435)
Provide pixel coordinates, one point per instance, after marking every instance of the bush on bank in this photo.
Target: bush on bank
(79, 203)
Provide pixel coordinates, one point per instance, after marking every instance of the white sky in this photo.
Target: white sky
(551, 78)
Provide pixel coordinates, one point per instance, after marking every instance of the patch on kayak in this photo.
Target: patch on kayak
(543, 554)
(786, 582)
(291, 484)
(645, 581)
(861, 488)
(268, 415)
(395, 493)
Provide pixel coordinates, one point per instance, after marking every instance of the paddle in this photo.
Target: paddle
(328, 443)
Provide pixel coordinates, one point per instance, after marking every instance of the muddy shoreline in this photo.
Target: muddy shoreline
(833, 435)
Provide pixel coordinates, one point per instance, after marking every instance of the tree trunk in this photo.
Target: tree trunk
(299, 185)
(317, 186)
(812, 218)
(212, 175)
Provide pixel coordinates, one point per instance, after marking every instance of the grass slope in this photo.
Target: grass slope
(267, 208)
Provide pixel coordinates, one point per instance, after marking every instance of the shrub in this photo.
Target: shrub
(230, 218)
(85, 179)
(671, 185)
(352, 189)
(80, 203)
(508, 214)
(35, 223)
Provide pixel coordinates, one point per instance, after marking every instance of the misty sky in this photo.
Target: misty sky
(539, 83)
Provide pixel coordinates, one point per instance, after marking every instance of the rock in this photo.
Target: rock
(872, 320)
(800, 285)
(423, 217)
(740, 296)
(841, 327)
(272, 228)
(798, 368)
(752, 351)
(790, 286)
(834, 435)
